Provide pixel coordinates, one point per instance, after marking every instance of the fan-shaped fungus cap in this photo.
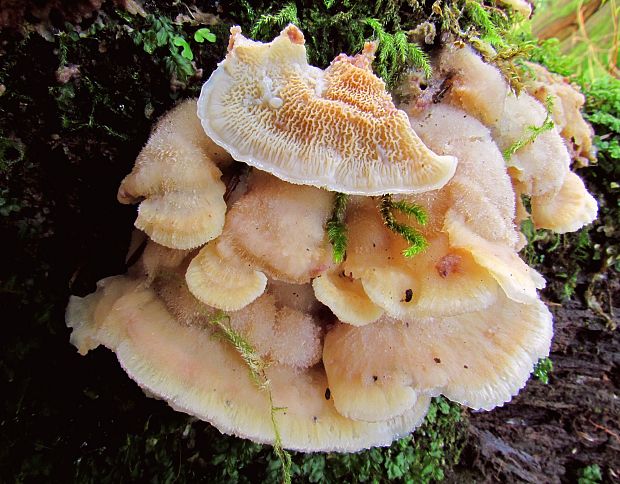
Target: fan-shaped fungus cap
(178, 182)
(447, 279)
(542, 164)
(480, 359)
(441, 281)
(566, 211)
(157, 260)
(86, 316)
(280, 228)
(540, 168)
(517, 279)
(206, 377)
(223, 282)
(438, 281)
(480, 190)
(280, 333)
(346, 298)
(472, 84)
(481, 90)
(566, 111)
(336, 128)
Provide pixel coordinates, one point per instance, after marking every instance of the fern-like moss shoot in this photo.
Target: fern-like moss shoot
(336, 228)
(417, 242)
(533, 132)
(257, 367)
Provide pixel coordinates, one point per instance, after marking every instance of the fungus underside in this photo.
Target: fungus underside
(417, 242)
(256, 366)
(532, 132)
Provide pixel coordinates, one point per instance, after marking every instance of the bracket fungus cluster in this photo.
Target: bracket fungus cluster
(235, 200)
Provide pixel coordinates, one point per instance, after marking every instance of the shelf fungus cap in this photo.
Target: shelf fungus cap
(516, 278)
(206, 377)
(280, 228)
(280, 333)
(336, 129)
(346, 298)
(177, 183)
(222, 280)
(441, 281)
(480, 359)
(566, 211)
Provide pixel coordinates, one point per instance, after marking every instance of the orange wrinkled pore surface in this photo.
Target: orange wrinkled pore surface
(354, 113)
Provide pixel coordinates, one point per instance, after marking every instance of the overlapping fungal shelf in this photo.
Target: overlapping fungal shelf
(355, 348)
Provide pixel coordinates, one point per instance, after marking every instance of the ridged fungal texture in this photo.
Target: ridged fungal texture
(337, 129)
(236, 305)
(177, 182)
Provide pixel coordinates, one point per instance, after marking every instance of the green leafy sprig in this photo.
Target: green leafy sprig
(417, 242)
(286, 15)
(203, 34)
(257, 367)
(336, 228)
(532, 132)
(395, 50)
(162, 32)
(481, 18)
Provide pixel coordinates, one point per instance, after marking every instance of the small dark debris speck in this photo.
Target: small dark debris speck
(328, 394)
(408, 295)
(466, 367)
(375, 378)
(437, 360)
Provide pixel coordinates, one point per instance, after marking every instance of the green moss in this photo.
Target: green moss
(548, 54)
(481, 17)
(417, 242)
(394, 52)
(542, 370)
(186, 451)
(336, 228)
(12, 152)
(391, 23)
(590, 475)
(8, 204)
(420, 458)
